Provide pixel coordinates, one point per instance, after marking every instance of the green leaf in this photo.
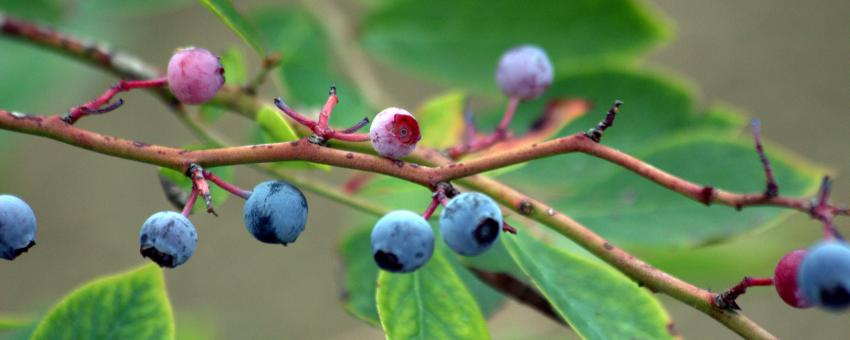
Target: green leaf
(659, 124)
(235, 71)
(131, 305)
(219, 195)
(441, 120)
(430, 303)
(307, 69)
(228, 14)
(136, 8)
(12, 323)
(597, 301)
(361, 274)
(464, 48)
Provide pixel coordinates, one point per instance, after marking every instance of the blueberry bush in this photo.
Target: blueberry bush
(548, 166)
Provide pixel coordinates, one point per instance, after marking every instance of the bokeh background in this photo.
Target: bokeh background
(784, 62)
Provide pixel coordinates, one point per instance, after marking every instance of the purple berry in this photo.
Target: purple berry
(471, 223)
(785, 279)
(394, 133)
(402, 242)
(824, 275)
(168, 238)
(524, 72)
(194, 75)
(17, 227)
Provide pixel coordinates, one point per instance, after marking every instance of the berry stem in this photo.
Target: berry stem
(771, 189)
(229, 187)
(190, 203)
(196, 173)
(726, 300)
(595, 134)
(94, 106)
(432, 207)
(297, 117)
(502, 130)
(348, 137)
(473, 143)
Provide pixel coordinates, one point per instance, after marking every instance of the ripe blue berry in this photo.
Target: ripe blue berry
(394, 133)
(471, 223)
(824, 275)
(524, 72)
(785, 279)
(194, 75)
(276, 212)
(402, 241)
(168, 238)
(17, 227)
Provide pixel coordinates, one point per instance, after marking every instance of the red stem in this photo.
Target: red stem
(122, 86)
(325, 114)
(190, 203)
(432, 207)
(771, 189)
(297, 117)
(502, 129)
(726, 300)
(349, 137)
(229, 187)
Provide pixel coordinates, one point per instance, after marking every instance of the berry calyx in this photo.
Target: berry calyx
(524, 72)
(194, 75)
(824, 275)
(168, 238)
(17, 227)
(471, 223)
(402, 242)
(394, 133)
(276, 212)
(785, 279)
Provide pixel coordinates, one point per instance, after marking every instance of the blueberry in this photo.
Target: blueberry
(168, 238)
(824, 275)
(17, 227)
(276, 212)
(471, 223)
(194, 75)
(785, 279)
(394, 133)
(524, 72)
(402, 242)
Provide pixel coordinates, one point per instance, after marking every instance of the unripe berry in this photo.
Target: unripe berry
(276, 212)
(471, 223)
(524, 72)
(394, 133)
(402, 242)
(194, 75)
(785, 279)
(17, 227)
(824, 275)
(168, 238)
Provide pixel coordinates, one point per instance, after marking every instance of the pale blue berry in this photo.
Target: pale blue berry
(17, 227)
(276, 212)
(824, 275)
(168, 238)
(402, 242)
(471, 223)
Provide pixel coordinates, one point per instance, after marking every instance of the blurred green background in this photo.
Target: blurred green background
(781, 61)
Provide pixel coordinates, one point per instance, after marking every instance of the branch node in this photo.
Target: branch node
(726, 300)
(706, 195)
(595, 134)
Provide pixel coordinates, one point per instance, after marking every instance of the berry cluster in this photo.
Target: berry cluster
(403, 241)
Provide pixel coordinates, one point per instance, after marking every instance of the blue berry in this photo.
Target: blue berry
(824, 275)
(276, 212)
(524, 72)
(168, 238)
(402, 241)
(471, 223)
(17, 227)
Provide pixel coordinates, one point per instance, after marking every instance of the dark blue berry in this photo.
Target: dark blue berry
(276, 212)
(402, 242)
(471, 223)
(168, 238)
(17, 227)
(824, 275)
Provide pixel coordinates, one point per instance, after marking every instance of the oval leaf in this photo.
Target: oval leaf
(228, 14)
(597, 301)
(131, 305)
(430, 303)
(441, 120)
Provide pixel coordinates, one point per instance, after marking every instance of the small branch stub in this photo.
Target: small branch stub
(595, 134)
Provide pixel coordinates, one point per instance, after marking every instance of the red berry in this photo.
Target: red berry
(394, 133)
(194, 75)
(785, 279)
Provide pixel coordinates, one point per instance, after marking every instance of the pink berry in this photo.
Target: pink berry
(194, 75)
(524, 72)
(785, 279)
(394, 133)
